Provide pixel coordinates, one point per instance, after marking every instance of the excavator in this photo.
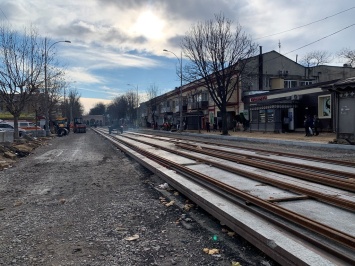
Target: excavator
(79, 126)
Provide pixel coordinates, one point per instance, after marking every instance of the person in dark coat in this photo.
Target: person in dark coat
(208, 126)
(307, 125)
(220, 125)
(316, 125)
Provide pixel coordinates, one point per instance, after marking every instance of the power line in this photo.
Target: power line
(306, 24)
(276, 57)
(3, 14)
(320, 39)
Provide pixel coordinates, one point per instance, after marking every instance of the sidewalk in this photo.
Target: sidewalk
(323, 140)
(325, 137)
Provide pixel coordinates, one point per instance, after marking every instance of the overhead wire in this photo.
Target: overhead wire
(319, 20)
(313, 41)
(276, 57)
(320, 39)
(3, 14)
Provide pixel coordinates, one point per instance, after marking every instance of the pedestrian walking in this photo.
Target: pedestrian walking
(234, 125)
(307, 126)
(208, 126)
(220, 125)
(316, 125)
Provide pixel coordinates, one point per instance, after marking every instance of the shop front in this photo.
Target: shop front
(274, 117)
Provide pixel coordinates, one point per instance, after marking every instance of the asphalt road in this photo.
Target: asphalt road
(80, 201)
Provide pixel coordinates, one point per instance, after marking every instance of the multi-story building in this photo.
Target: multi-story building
(272, 88)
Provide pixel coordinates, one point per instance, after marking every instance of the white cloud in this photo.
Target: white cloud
(113, 38)
(81, 75)
(89, 103)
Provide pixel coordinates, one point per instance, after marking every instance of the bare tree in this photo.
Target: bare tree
(131, 97)
(21, 62)
(152, 94)
(76, 108)
(316, 58)
(118, 108)
(56, 83)
(98, 109)
(348, 55)
(217, 59)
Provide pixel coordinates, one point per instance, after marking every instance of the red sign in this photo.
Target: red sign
(258, 99)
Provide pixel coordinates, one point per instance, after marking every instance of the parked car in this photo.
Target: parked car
(7, 127)
(25, 125)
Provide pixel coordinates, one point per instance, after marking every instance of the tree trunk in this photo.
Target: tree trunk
(224, 121)
(16, 133)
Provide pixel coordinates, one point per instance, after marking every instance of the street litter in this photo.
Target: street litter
(171, 203)
(164, 186)
(211, 251)
(187, 207)
(131, 238)
(120, 229)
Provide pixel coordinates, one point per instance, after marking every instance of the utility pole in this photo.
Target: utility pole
(180, 100)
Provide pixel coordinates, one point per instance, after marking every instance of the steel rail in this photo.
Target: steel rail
(318, 228)
(342, 174)
(330, 199)
(344, 180)
(321, 178)
(286, 154)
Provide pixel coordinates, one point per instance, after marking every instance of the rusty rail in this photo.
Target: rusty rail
(330, 199)
(306, 223)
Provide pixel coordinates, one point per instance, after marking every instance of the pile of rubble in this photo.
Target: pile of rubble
(10, 151)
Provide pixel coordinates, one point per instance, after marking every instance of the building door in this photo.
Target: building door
(346, 116)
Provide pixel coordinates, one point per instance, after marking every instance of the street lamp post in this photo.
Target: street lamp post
(46, 102)
(137, 103)
(180, 101)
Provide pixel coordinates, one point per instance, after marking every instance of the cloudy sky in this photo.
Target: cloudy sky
(119, 42)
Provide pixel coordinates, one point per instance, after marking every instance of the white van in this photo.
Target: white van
(25, 125)
(8, 127)
(29, 128)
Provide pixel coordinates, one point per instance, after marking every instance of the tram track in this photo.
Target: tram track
(346, 241)
(178, 138)
(328, 177)
(331, 199)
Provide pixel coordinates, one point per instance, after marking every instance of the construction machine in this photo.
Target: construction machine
(79, 126)
(62, 126)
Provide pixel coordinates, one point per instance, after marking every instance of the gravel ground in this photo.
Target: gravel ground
(79, 201)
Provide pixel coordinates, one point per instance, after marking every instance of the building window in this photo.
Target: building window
(324, 106)
(290, 83)
(262, 116)
(205, 96)
(270, 115)
(305, 83)
(254, 115)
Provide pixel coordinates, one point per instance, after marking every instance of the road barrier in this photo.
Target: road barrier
(6, 136)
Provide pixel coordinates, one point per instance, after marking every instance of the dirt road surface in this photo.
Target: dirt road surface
(80, 201)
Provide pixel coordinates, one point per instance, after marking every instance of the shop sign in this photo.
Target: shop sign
(258, 99)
